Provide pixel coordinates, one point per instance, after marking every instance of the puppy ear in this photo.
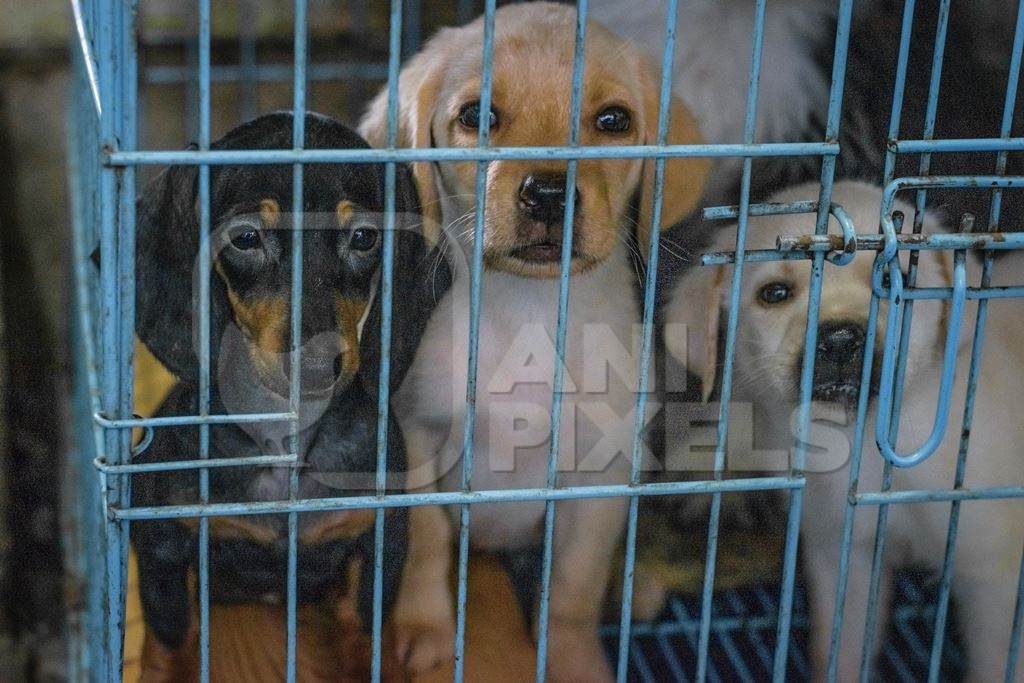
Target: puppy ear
(419, 86)
(684, 178)
(167, 237)
(692, 320)
(421, 276)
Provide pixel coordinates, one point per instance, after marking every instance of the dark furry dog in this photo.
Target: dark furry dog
(251, 220)
(971, 98)
(972, 95)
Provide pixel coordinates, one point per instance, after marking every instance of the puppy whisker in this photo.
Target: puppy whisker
(637, 259)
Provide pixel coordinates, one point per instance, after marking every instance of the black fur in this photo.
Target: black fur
(241, 570)
(970, 105)
(168, 240)
(341, 440)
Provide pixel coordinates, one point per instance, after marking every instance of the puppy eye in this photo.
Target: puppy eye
(612, 120)
(775, 293)
(363, 239)
(469, 116)
(246, 239)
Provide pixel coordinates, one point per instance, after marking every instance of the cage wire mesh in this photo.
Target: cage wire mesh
(744, 633)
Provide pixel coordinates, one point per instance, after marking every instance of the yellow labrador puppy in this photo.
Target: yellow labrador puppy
(768, 360)
(439, 92)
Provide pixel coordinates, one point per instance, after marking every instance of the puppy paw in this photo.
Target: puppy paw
(425, 644)
(649, 597)
(576, 655)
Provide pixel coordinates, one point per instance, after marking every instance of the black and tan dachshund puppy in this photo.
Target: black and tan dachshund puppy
(251, 219)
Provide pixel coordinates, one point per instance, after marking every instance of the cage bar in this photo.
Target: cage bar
(647, 337)
(730, 344)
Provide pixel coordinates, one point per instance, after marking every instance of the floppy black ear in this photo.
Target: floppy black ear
(421, 278)
(166, 252)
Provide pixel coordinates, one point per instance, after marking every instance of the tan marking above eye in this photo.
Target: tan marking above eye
(345, 211)
(270, 212)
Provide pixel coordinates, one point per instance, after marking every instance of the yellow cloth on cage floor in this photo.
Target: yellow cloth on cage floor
(247, 641)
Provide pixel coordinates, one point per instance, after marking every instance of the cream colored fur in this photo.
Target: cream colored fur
(532, 75)
(991, 533)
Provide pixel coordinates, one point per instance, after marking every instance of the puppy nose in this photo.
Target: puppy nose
(840, 341)
(542, 198)
(320, 362)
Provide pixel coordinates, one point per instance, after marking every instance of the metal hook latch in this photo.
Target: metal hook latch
(887, 260)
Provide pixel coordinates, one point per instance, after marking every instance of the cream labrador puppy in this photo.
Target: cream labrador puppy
(439, 106)
(768, 360)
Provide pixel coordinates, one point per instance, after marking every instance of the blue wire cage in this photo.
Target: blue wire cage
(718, 635)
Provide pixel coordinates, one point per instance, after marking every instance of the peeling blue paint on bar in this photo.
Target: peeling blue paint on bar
(939, 495)
(339, 156)
(301, 47)
(891, 396)
(647, 338)
(458, 498)
(476, 283)
(183, 420)
(173, 465)
(1006, 144)
(575, 105)
(205, 267)
(810, 338)
(384, 378)
(732, 325)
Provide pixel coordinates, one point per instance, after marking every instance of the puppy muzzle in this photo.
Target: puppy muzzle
(839, 362)
(320, 363)
(541, 200)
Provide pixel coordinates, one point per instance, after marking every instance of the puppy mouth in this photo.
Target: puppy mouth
(844, 392)
(319, 378)
(279, 384)
(314, 393)
(547, 251)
